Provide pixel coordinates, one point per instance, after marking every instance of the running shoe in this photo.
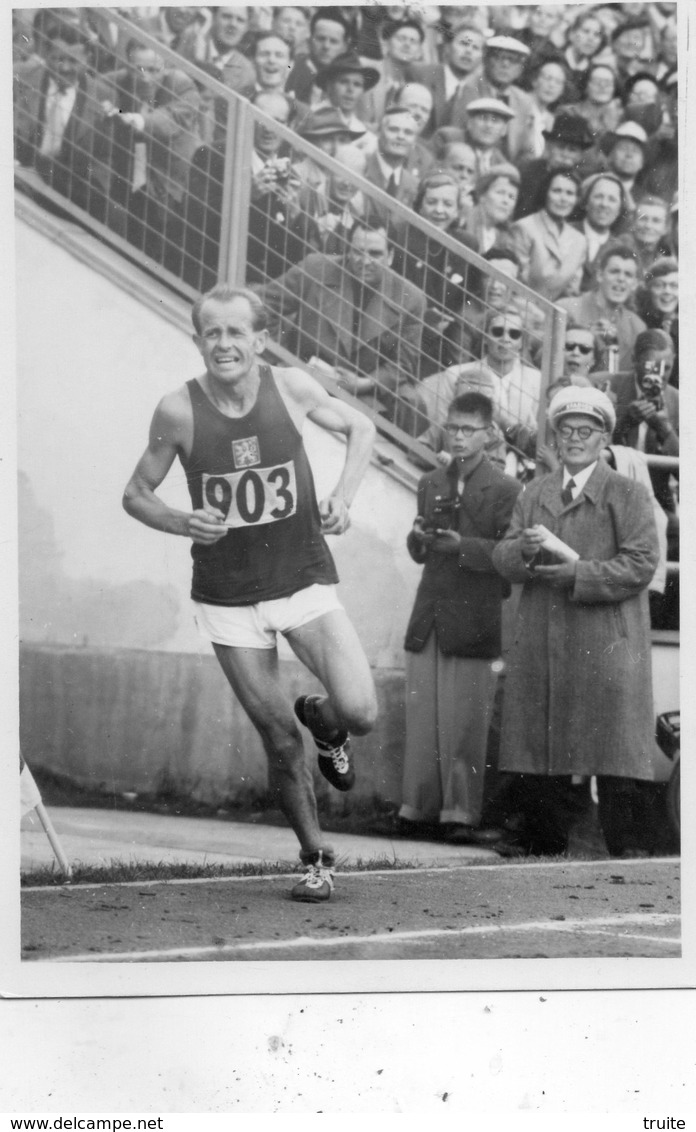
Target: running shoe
(333, 753)
(317, 884)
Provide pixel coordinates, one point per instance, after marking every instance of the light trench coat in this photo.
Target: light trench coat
(578, 692)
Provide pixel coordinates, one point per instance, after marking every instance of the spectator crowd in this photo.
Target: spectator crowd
(542, 138)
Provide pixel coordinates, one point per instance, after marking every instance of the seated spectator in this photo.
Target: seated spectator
(343, 203)
(490, 220)
(344, 81)
(625, 156)
(504, 59)
(445, 279)
(459, 159)
(657, 303)
(292, 24)
(649, 232)
(647, 408)
(354, 318)
(144, 147)
(598, 103)
(329, 37)
(628, 41)
(516, 386)
(418, 100)
(668, 50)
(402, 44)
(642, 89)
(605, 309)
(387, 168)
(324, 128)
(466, 335)
(55, 104)
(217, 47)
(547, 83)
(601, 217)
(580, 353)
(486, 123)
(566, 142)
(542, 21)
(462, 52)
(271, 57)
(586, 39)
(659, 176)
(551, 251)
(280, 232)
(205, 200)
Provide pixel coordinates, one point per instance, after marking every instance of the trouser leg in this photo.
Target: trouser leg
(465, 693)
(421, 789)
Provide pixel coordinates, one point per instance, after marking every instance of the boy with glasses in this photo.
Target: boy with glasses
(453, 638)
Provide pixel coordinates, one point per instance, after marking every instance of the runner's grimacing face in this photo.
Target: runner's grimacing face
(227, 342)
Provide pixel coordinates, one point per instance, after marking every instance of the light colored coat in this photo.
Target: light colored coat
(578, 694)
(552, 258)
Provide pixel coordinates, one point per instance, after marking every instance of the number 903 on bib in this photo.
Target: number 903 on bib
(252, 497)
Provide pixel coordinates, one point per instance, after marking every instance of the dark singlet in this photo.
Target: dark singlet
(254, 469)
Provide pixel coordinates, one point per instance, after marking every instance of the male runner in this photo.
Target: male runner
(261, 565)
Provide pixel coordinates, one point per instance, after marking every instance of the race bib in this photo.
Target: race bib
(252, 497)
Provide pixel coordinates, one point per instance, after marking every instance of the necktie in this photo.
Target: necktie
(392, 187)
(567, 493)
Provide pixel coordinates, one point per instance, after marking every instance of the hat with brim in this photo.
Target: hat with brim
(582, 401)
(570, 129)
(490, 106)
(631, 130)
(324, 122)
(507, 43)
(347, 64)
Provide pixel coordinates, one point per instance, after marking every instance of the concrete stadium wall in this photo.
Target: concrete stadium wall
(122, 720)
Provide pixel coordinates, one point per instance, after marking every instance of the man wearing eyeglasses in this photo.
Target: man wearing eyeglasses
(453, 638)
(578, 695)
(579, 352)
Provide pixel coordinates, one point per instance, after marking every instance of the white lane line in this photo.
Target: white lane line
(421, 870)
(651, 919)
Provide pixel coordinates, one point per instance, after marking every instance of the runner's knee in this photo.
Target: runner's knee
(360, 715)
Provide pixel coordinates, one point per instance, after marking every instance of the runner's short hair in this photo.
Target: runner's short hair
(224, 293)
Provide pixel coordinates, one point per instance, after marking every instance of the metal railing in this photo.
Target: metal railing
(169, 179)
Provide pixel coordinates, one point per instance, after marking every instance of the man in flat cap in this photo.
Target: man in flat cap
(578, 695)
(486, 125)
(504, 59)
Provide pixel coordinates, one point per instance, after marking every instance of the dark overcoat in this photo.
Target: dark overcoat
(578, 693)
(460, 595)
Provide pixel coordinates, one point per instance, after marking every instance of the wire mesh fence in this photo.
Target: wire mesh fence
(379, 293)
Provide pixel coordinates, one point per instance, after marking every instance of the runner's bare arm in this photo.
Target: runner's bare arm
(305, 397)
(168, 436)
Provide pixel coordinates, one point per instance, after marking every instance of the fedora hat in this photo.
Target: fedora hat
(348, 63)
(323, 122)
(571, 129)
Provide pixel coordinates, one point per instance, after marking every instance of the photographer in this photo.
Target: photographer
(647, 407)
(453, 637)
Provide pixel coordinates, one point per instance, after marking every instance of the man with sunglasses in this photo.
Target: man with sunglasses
(579, 351)
(578, 695)
(453, 638)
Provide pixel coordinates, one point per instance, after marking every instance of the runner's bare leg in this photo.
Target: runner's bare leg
(330, 648)
(254, 677)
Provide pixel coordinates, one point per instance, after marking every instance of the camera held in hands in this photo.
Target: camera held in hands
(651, 380)
(443, 514)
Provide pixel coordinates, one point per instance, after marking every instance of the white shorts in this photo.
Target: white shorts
(255, 626)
